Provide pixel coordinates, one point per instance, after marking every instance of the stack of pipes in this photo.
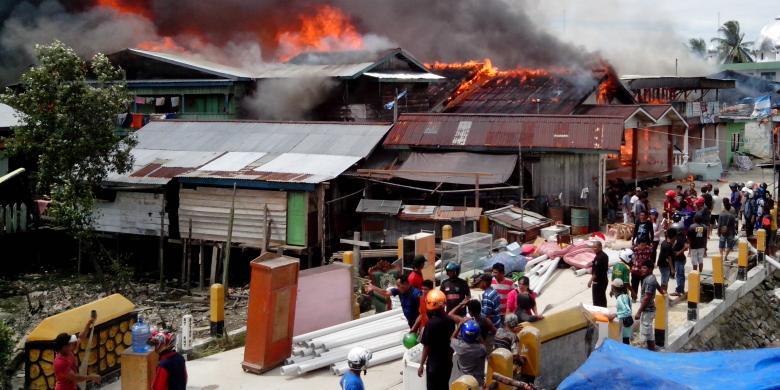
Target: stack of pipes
(381, 334)
(539, 272)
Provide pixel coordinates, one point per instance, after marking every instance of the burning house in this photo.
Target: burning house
(339, 86)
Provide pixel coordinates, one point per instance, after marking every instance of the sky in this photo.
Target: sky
(643, 37)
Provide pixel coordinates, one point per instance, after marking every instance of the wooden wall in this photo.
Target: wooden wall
(130, 213)
(569, 174)
(209, 209)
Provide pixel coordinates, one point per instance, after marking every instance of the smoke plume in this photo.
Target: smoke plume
(288, 99)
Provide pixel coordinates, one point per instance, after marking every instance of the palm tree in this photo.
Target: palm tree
(698, 46)
(731, 46)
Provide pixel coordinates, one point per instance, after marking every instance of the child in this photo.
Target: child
(623, 313)
(416, 276)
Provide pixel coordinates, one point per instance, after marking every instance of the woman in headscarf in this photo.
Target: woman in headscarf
(171, 371)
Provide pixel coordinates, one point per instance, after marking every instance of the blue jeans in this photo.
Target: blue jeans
(679, 273)
(665, 271)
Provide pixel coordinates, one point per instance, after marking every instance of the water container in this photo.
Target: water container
(141, 333)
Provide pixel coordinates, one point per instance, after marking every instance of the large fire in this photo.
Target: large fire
(126, 7)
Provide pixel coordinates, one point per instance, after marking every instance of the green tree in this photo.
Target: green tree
(731, 44)
(698, 46)
(68, 140)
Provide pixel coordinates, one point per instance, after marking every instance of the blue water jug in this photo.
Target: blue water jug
(141, 333)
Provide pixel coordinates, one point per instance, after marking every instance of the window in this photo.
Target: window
(769, 75)
(736, 141)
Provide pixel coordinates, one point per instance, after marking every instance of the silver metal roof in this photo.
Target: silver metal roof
(306, 152)
(378, 206)
(9, 117)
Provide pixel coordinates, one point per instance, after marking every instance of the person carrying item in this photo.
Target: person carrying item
(409, 296)
(623, 310)
(171, 371)
(66, 369)
(455, 289)
(727, 230)
(522, 302)
(470, 352)
(598, 279)
(436, 358)
(646, 312)
(416, 276)
(491, 301)
(357, 360)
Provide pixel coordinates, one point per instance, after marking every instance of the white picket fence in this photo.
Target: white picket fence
(13, 218)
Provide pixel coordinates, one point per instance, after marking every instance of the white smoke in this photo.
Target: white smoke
(288, 99)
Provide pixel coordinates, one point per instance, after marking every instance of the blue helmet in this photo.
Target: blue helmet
(469, 331)
(452, 266)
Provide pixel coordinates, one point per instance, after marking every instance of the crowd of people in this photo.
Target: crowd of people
(667, 240)
(449, 321)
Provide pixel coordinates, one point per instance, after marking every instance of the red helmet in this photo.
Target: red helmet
(698, 201)
(671, 193)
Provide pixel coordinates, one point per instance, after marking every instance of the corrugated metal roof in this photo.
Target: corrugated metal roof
(302, 152)
(439, 213)
(404, 76)
(517, 218)
(506, 132)
(652, 112)
(497, 167)
(378, 206)
(9, 117)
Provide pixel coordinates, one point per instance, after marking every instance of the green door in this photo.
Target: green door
(296, 218)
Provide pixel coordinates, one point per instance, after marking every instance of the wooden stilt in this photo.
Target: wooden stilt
(200, 265)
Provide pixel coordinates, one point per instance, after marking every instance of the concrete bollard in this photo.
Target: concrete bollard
(465, 382)
(499, 361)
(742, 260)
(661, 319)
(217, 312)
(717, 277)
(761, 245)
(694, 295)
(186, 333)
(531, 348)
(446, 232)
(484, 226)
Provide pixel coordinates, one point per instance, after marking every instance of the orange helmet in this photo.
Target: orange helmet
(435, 300)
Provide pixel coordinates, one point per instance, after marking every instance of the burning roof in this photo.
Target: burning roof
(482, 88)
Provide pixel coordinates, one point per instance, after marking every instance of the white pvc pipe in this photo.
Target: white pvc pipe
(376, 332)
(289, 369)
(378, 358)
(344, 325)
(377, 343)
(772, 261)
(534, 261)
(384, 323)
(547, 275)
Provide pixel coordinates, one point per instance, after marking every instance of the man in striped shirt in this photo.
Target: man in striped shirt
(491, 301)
(502, 285)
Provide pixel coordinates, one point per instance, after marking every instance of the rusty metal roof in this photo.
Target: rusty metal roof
(516, 218)
(506, 132)
(439, 213)
(650, 112)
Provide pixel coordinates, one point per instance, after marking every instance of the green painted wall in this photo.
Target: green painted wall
(296, 218)
(733, 128)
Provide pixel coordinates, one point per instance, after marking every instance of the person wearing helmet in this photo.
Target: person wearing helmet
(436, 358)
(408, 295)
(455, 289)
(171, 371)
(357, 360)
(422, 317)
(470, 352)
(670, 204)
(749, 210)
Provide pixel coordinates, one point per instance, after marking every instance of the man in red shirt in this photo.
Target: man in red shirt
(416, 276)
(66, 368)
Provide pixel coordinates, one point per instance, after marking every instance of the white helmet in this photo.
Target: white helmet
(750, 184)
(626, 255)
(358, 358)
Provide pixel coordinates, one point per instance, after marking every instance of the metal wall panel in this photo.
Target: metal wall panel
(130, 213)
(569, 174)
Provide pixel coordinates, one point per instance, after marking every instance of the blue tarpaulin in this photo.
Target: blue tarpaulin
(619, 366)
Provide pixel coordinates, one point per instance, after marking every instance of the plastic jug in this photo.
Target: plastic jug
(141, 333)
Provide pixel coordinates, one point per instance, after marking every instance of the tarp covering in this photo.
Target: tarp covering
(619, 366)
(500, 167)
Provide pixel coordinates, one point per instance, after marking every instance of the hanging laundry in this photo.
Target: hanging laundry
(138, 121)
(120, 119)
(139, 100)
(160, 101)
(175, 101)
(150, 100)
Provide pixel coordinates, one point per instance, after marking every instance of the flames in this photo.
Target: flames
(327, 28)
(126, 7)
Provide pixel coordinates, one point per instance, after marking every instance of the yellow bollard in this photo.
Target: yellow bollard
(773, 214)
(348, 257)
(694, 295)
(717, 276)
(530, 340)
(217, 305)
(499, 361)
(484, 226)
(465, 382)
(400, 252)
(742, 260)
(446, 232)
(761, 240)
(661, 319)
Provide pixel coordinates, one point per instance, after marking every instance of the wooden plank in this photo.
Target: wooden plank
(214, 259)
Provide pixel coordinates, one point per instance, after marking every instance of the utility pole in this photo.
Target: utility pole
(226, 259)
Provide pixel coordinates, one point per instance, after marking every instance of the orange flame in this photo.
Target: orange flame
(485, 71)
(327, 29)
(126, 7)
(167, 44)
